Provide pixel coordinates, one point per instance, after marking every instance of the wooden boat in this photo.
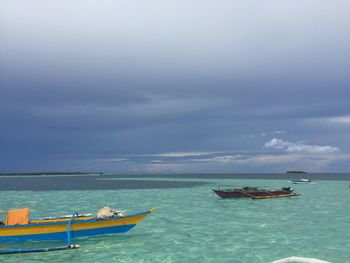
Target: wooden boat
(226, 191)
(18, 227)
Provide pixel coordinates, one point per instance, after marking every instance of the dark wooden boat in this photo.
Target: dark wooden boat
(226, 191)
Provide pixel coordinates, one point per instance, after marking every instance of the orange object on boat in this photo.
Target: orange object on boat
(17, 217)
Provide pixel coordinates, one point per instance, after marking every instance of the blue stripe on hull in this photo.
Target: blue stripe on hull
(74, 234)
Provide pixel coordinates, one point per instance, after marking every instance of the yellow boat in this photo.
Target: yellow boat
(18, 226)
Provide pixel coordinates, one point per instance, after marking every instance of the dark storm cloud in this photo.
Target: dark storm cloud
(101, 80)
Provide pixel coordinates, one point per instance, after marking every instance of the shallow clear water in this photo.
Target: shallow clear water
(192, 225)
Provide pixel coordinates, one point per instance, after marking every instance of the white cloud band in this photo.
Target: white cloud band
(299, 147)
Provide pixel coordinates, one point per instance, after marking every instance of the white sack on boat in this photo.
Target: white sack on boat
(119, 213)
(105, 212)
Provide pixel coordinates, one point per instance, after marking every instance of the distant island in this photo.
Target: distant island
(296, 172)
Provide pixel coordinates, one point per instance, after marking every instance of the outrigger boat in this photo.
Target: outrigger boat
(227, 191)
(19, 228)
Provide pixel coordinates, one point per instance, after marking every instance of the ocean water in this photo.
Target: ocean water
(193, 225)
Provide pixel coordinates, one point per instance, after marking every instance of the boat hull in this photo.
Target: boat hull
(253, 195)
(57, 230)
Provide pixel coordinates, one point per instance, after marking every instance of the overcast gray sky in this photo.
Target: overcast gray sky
(175, 86)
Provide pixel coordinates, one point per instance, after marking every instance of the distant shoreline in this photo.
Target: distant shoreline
(52, 173)
(276, 176)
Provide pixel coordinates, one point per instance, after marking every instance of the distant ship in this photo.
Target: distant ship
(296, 172)
(303, 181)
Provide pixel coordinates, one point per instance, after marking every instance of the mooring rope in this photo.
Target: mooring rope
(171, 221)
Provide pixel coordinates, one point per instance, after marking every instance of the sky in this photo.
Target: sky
(176, 86)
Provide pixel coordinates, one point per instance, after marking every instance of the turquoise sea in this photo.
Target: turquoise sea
(192, 225)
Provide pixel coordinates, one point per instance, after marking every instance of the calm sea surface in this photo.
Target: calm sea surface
(191, 225)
